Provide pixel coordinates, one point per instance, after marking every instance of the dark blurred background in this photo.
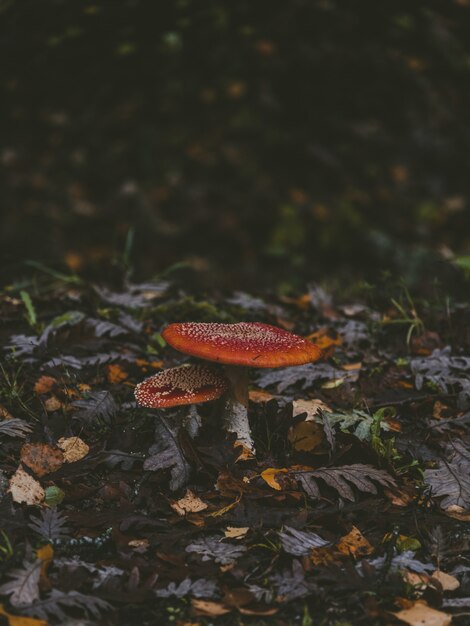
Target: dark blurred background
(255, 140)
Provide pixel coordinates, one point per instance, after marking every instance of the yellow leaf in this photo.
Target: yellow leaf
(354, 544)
(269, 475)
(19, 620)
(45, 554)
(115, 373)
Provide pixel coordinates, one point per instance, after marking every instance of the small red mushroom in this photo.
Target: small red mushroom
(186, 384)
(239, 346)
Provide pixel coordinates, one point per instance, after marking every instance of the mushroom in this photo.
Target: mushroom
(239, 346)
(186, 384)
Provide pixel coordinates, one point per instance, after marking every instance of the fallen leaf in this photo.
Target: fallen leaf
(261, 612)
(115, 373)
(260, 395)
(44, 384)
(189, 503)
(354, 544)
(25, 488)
(326, 339)
(448, 582)
(306, 436)
(52, 404)
(5, 414)
(420, 614)
(20, 620)
(73, 448)
(311, 407)
(139, 545)
(41, 458)
(269, 475)
(233, 532)
(45, 554)
(208, 608)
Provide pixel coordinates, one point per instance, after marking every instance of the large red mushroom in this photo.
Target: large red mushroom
(239, 346)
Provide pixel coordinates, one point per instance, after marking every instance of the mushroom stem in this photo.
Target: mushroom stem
(236, 405)
(192, 421)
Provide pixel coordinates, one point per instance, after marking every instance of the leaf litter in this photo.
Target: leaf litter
(349, 496)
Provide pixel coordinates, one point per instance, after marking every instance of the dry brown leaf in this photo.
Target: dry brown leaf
(115, 373)
(5, 414)
(326, 338)
(420, 614)
(189, 503)
(260, 612)
(139, 545)
(448, 582)
(73, 448)
(233, 532)
(260, 395)
(25, 488)
(419, 582)
(44, 384)
(208, 608)
(311, 407)
(19, 620)
(52, 404)
(41, 458)
(354, 544)
(306, 436)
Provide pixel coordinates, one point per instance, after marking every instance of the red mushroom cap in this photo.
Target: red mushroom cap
(186, 384)
(245, 343)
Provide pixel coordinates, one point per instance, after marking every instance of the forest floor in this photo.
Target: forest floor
(355, 510)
